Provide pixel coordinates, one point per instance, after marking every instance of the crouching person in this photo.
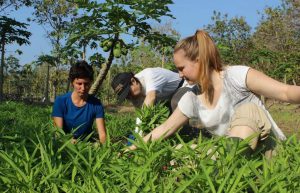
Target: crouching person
(149, 87)
(76, 111)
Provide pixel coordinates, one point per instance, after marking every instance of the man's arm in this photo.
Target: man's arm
(150, 98)
(100, 123)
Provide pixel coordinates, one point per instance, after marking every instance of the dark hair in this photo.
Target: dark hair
(137, 80)
(81, 69)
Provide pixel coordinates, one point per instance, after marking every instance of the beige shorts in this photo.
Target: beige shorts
(253, 116)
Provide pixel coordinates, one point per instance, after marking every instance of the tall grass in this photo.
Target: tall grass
(36, 157)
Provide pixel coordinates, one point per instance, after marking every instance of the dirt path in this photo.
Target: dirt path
(119, 108)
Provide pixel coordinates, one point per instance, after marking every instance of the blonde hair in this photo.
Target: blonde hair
(201, 48)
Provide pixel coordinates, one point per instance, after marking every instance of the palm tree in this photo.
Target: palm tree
(11, 31)
(49, 61)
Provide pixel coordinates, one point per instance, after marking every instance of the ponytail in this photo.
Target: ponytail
(201, 48)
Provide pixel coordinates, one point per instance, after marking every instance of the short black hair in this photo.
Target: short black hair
(81, 69)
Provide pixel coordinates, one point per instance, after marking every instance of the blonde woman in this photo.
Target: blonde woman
(229, 104)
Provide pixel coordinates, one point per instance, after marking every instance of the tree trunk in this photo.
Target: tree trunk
(102, 74)
(83, 52)
(284, 79)
(108, 94)
(58, 63)
(163, 58)
(54, 90)
(46, 94)
(104, 70)
(68, 86)
(2, 66)
(69, 83)
(9, 83)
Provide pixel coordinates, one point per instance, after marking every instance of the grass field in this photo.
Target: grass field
(287, 116)
(37, 157)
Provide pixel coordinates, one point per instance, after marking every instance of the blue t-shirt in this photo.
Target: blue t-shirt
(79, 118)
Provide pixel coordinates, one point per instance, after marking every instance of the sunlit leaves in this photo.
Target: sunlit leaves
(36, 157)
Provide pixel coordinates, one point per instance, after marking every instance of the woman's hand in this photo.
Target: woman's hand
(127, 150)
(73, 141)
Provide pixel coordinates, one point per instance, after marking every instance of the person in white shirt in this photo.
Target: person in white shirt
(147, 87)
(228, 104)
(150, 86)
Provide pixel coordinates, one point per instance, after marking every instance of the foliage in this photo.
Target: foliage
(109, 24)
(272, 48)
(142, 41)
(278, 33)
(16, 4)
(152, 116)
(50, 61)
(17, 78)
(56, 17)
(36, 157)
(145, 55)
(12, 65)
(232, 37)
(11, 31)
(121, 128)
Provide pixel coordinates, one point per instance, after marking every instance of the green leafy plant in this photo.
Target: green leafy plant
(37, 157)
(152, 116)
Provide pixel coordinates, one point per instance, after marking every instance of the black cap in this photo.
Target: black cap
(121, 84)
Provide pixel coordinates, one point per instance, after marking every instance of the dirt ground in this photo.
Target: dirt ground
(119, 108)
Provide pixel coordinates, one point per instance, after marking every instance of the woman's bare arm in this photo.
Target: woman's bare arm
(170, 126)
(262, 84)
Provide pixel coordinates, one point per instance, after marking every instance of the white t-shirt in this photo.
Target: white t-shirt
(186, 84)
(234, 93)
(163, 81)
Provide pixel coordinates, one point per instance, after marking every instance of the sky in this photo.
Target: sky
(190, 15)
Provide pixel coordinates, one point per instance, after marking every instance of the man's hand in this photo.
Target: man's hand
(150, 98)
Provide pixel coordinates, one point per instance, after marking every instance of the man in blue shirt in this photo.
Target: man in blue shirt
(76, 111)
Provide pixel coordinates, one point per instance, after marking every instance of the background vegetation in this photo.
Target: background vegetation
(121, 35)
